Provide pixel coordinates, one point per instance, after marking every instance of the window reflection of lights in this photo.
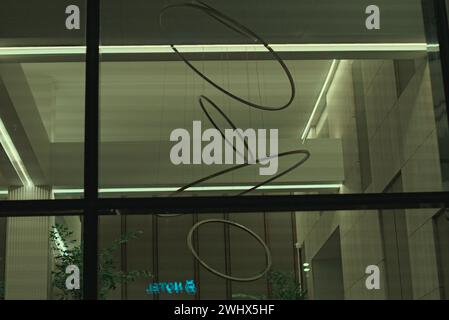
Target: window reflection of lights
(137, 49)
(326, 85)
(209, 188)
(13, 156)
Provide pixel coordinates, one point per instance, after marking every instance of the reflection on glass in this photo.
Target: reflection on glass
(362, 109)
(42, 100)
(40, 258)
(390, 254)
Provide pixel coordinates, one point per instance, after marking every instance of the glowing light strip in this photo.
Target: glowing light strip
(13, 155)
(135, 49)
(260, 48)
(325, 87)
(57, 50)
(208, 188)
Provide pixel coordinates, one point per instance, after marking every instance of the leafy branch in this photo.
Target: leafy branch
(283, 287)
(110, 276)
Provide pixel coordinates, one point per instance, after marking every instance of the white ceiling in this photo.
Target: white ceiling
(142, 102)
(145, 101)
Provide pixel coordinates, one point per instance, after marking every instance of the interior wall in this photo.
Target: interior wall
(162, 249)
(327, 270)
(401, 137)
(213, 246)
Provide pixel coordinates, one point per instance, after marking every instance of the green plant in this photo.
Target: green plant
(108, 272)
(283, 287)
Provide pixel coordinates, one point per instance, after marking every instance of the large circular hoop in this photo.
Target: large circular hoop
(305, 153)
(238, 28)
(218, 273)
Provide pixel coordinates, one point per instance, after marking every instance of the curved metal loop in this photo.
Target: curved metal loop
(268, 258)
(228, 120)
(233, 168)
(240, 166)
(241, 29)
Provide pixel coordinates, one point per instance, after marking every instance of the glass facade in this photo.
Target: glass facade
(357, 105)
(34, 255)
(42, 98)
(245, 150)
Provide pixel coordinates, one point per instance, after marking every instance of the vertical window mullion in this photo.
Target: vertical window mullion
(436, 30)
(91, 143)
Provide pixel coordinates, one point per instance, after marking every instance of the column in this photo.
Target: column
(28, 253)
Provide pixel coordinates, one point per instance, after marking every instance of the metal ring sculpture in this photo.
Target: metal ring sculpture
(240, 29)
(280, 155)
(218, 273)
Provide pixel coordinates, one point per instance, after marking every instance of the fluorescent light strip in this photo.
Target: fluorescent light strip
(209, 188)
(13, 155)
(433, 47)
(325, 87)
(65, 50)
(261, 48)
(133, 49)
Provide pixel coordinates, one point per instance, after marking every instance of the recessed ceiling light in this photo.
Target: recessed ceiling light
(13, 156)
(208, 188)
(136, 49)
(326, 85)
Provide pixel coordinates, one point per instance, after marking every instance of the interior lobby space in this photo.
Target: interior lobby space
(338, 110)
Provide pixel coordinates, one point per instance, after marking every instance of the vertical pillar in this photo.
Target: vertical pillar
(437, 32)
(27, 265)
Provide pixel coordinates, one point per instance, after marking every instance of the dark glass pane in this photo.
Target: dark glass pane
(42, 99)
(366, 106)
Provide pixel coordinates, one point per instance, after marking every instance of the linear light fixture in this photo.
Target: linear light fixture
(208, 188)
(260, 48)
(324, 89)
(38, 50)
(136, 49)
(13, 155)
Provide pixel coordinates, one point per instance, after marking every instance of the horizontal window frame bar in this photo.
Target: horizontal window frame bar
(231, 204)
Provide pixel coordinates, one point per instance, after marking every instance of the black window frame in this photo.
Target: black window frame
(91, 207)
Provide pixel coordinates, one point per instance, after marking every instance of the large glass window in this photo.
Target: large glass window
(41, 258)
(342, 254)
(41, 99)
(325, 105)
(331, 114)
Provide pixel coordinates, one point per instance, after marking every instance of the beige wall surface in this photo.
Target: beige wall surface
(402, 144)
(402, 140)
(162, 249)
